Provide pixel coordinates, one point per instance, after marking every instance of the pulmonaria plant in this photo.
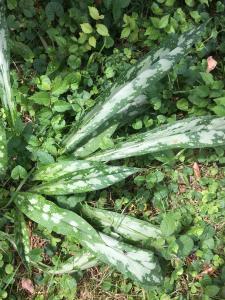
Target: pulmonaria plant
(105, 236)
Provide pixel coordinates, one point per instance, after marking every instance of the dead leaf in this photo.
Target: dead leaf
(211, 63)
(196, 170)
(182, 188)
(27, 285)
(208, 271)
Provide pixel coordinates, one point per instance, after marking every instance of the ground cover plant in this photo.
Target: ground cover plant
(110, 161)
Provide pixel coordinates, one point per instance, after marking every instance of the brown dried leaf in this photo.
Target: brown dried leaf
(27, 285)
(211, 63)
(196, 170)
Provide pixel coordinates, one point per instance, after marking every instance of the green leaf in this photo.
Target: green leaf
(74, 62)
(41, 98)
(94, 13)
(5, 86)
(61, 106)
(186, 245)
(94, 144)
(169, 224)
(45, 83)
(3, 151)
(132, 86)
(18, 173)
(22, 50)
(125, 226)
(220, 101)
(201, 132)
(86, 28)
(68, 177)
(59, 86)
(53, 9)
(163, 22)
(11, 4)
(125, 33)
(102, 30)
(92, 41)
(219, 110)
(182, 104)
(207, 78)
(211, 290)
(135, 263)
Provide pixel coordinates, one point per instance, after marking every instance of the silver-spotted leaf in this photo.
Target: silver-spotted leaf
(3, 151)
(5, 85)
(148, 71)
(135, 263)
(54, 218)
(200, 132)
(22, 238)
(125, 226)
(94, 177)
(80, 261)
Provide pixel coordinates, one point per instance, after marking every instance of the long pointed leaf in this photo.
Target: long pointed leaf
(124, 95)
(125, 226)
(134, 263)
(3, 151)
(198, 132)
(22, 237)
(80, 261)
(93, 177)
(5, 86)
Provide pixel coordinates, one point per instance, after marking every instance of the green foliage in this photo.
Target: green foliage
(171, 215)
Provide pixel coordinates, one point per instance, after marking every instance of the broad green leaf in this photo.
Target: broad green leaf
(61, 106)
(86, 28)
(125, 226)
(102, 29)
(22, 239)
(41, 98)
(135, 263)
(92, 41)
(3, 151)
(94, 13)
(201, 132)
(22, 50)
(53, 9)
(138, 79)
(18, 172)
(5, 85)
(94, 143)
(70, 180)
